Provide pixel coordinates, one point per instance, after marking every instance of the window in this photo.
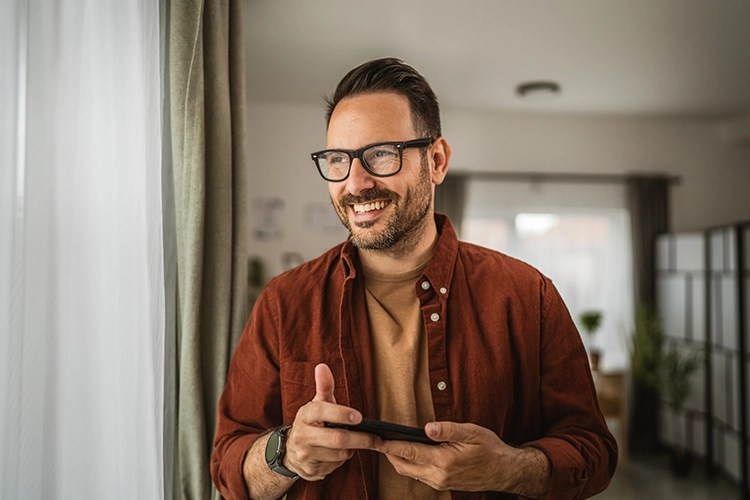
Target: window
(577, 235)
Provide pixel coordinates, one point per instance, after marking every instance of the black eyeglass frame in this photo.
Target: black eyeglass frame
(357, 153)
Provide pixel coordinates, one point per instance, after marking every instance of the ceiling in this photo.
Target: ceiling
(676, 58)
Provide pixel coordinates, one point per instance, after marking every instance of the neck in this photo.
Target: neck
(411, 251)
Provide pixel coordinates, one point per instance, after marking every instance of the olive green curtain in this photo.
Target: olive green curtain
(207, 112)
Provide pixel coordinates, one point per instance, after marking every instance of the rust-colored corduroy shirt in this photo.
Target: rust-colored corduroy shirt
(503, 353)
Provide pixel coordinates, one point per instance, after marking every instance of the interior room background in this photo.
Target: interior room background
(707, 165)
(87, 238)
(714, 174)
(713, 187)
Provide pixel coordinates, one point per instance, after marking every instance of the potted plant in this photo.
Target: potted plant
(591, 321)
(676, 368)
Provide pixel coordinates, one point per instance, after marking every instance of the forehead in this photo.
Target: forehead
(365, 119)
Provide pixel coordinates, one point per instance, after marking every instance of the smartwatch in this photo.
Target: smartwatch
(275, 451)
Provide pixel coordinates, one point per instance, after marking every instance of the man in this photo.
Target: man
(405, 324)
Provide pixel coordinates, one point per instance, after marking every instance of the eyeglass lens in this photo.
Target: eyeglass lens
(381, 159)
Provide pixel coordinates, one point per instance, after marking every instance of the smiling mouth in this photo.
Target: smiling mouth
(363, 208)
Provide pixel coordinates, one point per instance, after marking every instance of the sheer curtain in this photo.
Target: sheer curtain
(81, 263)
(576, 234)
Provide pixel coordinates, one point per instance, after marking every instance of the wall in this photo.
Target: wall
(282, 136)
(715, 176)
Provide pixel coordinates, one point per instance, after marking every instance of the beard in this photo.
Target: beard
(405, 223)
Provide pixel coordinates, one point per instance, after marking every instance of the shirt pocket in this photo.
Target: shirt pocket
(298, 385)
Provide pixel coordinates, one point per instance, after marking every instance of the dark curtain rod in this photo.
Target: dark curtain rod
(560, 177)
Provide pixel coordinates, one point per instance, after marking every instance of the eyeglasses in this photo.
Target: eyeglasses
(381, 160)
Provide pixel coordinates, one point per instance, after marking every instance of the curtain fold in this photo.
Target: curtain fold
(648, 202)
(210, 188)
(450, 199)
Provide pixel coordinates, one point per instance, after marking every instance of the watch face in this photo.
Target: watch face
(272, 447)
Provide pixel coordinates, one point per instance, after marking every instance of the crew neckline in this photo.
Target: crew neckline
(409, 275)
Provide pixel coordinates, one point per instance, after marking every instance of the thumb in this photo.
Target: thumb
(324, 384)
(456, 433)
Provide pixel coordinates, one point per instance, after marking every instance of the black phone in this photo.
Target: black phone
(387, 430)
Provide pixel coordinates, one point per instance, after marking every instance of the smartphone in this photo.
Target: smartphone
(387, 430)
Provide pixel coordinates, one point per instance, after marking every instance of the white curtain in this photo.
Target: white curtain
(81, 264)
(576, 234)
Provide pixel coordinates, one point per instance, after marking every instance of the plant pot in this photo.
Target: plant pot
(645, 418)
(680, 463)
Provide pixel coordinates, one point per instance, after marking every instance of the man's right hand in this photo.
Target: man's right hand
(314, 451)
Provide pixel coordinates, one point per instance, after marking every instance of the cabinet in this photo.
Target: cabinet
(612, 393)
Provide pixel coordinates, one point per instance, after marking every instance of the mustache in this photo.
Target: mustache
(368, 196)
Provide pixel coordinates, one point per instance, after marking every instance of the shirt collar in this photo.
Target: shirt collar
(439, 270)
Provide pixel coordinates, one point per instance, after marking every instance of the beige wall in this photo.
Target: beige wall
(715, 188)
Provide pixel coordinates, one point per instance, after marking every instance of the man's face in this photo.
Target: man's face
(379, 212)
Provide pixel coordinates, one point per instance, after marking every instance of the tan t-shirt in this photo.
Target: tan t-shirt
(401, 369)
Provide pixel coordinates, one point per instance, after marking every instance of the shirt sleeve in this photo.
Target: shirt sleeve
(582, 451)
(251, 402)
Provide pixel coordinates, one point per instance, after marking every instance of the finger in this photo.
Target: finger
(318, 412)
(324, 384)
(411, 452)
(310, 454)
(414, 470)
(454, 432)
(316, 445)
(341, 439)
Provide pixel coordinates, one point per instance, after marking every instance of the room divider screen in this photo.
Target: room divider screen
(703, 286)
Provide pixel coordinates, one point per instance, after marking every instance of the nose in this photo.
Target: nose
(359, 178)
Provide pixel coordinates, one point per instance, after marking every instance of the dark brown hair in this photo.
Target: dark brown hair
(392, 75)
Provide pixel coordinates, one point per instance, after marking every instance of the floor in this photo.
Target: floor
(646, 478)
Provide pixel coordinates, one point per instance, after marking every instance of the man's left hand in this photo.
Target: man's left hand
(469, 458)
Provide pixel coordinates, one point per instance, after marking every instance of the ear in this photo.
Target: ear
(440, 155)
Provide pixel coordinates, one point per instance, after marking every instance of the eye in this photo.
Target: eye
(336, 158)
(381, 154)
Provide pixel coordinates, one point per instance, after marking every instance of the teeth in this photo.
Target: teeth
(367, 207)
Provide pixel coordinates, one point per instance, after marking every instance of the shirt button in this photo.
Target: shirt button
(442, 385)
(443, 290)
(435, 317)
(425, 285)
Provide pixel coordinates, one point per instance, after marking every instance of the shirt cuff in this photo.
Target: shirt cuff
(232, 476)
(568, 470)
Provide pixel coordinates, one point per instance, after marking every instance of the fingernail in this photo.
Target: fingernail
(353, 417)
(434, 429)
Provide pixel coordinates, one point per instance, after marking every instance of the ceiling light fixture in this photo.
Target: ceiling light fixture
(538, 91)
